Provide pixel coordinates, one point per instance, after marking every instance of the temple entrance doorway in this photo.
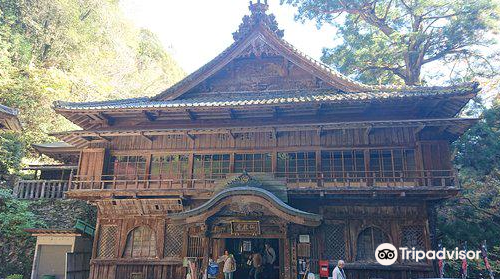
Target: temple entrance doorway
(244, 248)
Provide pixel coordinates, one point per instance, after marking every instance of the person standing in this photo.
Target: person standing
(338, 271)
(229, 265)
(256, 271)
(269, 259)
(213, 268)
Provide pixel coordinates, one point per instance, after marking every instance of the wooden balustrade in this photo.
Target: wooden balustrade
(112, 182)
(427, 178)
(434, 178)
(41, 189)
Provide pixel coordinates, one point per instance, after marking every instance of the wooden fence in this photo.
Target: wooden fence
(40, 189)
(77, 265)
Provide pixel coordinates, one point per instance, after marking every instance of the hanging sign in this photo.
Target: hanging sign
(245, 228)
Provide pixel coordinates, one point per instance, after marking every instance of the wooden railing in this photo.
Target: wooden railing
(41, 189)
(112, 182)
(434, 178)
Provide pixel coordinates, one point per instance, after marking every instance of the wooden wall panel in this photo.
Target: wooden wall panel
(402, 136)
(435, 155)
(91, 163)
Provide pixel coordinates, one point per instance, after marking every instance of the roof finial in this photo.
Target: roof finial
(258, 17)
(259, 7)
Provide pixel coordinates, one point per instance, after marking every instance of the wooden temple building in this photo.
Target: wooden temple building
(9, 120)
(265, 144)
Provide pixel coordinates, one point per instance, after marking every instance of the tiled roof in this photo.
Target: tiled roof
(8, 110)
(272, 98)
(334, 74)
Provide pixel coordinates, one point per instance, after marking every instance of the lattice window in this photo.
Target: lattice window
(392, 162)
(107, 242)
(297, 165)
(211, 166)
(174, 235)
(342, 164)
(128, 167)
(141, 243)
(195, 246)
(413, 236)
(169, 166)
(334, 241)
(368, 240)
(260, 162)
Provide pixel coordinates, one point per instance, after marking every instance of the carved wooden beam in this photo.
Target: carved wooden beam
(320, 132)
(319, 110)
(232, 114)
(191, 136)
(150, 116)
(276, 112)
(418, 130)
(104, 138)
(275, 133)
(442, 129)
(368, 131)
(233, 135)
(147, 137)
(109, 120)
(191, 114)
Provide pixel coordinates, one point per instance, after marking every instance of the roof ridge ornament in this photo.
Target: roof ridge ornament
(257, 17)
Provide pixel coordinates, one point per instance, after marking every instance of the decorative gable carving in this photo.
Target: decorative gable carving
(258, 48)
(258, 68)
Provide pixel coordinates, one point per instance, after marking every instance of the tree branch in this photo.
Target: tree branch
(387, 10)
(395, 70)
(496, 216)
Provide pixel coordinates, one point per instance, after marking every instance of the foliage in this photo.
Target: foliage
(74, 50)
(475, 215)
(389, 41)
(11, 152)
(15, 276)
(16, 245)
(71, 50)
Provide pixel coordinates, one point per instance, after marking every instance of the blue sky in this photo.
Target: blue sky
(195, 31)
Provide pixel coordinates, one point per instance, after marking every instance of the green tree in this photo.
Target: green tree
(11, 152)
(474, 216)
(74, 50)
(389, 41)
(16, 245)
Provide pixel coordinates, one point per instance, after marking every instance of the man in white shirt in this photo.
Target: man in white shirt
(269, 259)
(338, 272)
(269, 254)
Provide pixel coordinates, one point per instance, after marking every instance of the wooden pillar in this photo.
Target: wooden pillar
(231, 162)
(191, 165)
(319, 172)
(207, 244)
(274, 163)
(286, 253)
(293, 256)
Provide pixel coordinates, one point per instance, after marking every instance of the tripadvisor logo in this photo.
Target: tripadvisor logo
(387, 254)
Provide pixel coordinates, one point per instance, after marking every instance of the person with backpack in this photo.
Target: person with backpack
(229, 265)
(212, 269)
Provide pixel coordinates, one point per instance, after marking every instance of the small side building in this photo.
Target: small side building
(62, 253)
